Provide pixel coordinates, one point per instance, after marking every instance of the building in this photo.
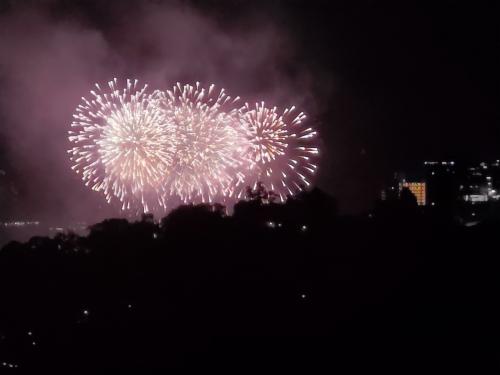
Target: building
(481, 183)
(469, 193)
(447, 183)
(417, 188)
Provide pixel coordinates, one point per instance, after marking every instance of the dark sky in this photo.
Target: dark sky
(388, 84)
(412, 81)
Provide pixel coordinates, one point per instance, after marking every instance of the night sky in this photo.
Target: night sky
(388, 84)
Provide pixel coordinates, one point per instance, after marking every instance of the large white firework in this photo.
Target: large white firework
(282, 149)
(210, 156)
(122, 145)
(190, 143)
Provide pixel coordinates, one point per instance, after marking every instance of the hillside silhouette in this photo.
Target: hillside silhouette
(273, 287)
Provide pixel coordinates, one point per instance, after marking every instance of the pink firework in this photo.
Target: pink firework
(122, 145)
(283, 150)
(190, 144)
(209, 160)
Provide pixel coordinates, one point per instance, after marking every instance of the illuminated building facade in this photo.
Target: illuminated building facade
(417, 188)
(467, 192)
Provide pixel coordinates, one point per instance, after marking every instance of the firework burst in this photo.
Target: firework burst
(210, 142)
(147, 149)
(281, 148)
(122, 145)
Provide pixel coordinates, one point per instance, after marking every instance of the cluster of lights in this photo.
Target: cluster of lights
(9, 365)
(20, 223)
(439, 163)
(190, 143)
(273, 225)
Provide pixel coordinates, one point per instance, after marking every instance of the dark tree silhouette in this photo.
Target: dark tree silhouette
(204, 290)
(261, 194)
(408, 199)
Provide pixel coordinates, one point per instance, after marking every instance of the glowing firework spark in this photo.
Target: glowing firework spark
(281, 148)
(210, 142)
(145, 149)
(123, 146)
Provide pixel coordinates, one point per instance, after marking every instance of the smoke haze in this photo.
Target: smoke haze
(51, 55)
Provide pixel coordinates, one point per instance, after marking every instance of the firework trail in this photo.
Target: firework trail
(281, 148)
(122, 145)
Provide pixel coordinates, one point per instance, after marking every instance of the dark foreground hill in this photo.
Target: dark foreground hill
(272, 288)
